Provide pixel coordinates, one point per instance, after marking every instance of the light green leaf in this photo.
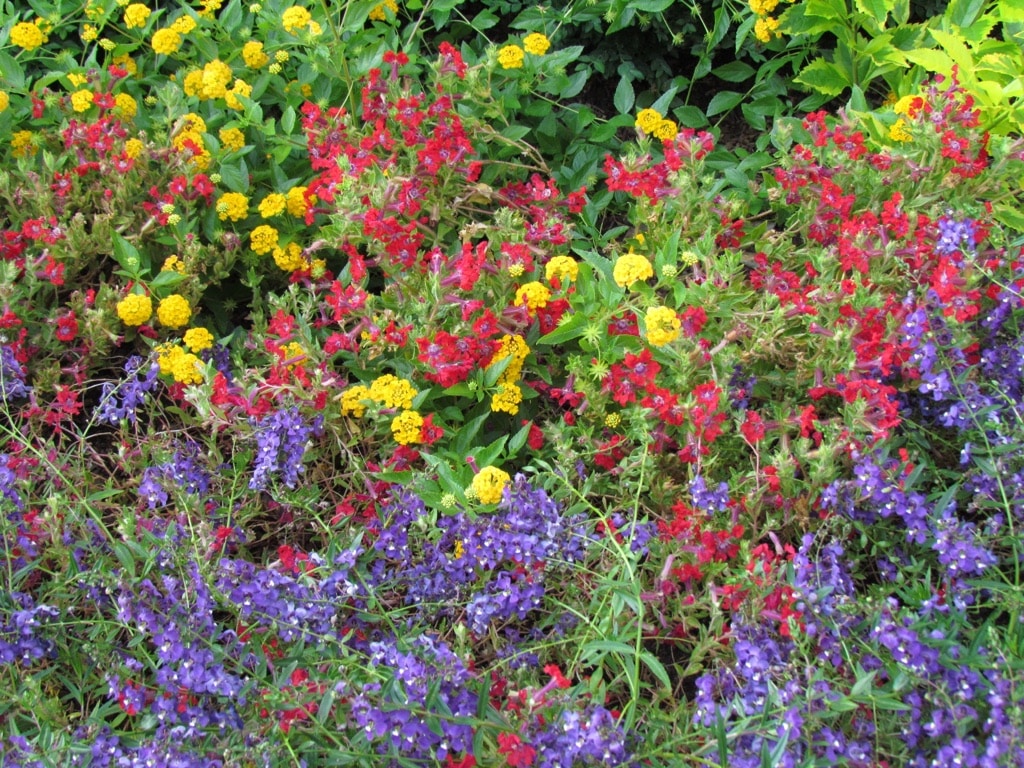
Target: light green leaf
(625, 96)
(876, 9)
(824, 77)
(931, 60)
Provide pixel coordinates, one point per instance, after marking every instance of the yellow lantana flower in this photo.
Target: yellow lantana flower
(135, 309)
(136, 15)
(631, 267)
(174, 311)
(198, 339)
(765, 28)
(27, 35)
(536, 43)
(253, 55)
(392, 392)
(263, 239)
(507, 398)
(126, 105)
(5, 101)
(232, 139)
(272, 205)
(407, 428)
(533, 295)
(511, 57)
(232, 205)
(22, 144)
(662, 325)
(647, 120)
(377, 13)
(295, 19)
(81, 101)
(290, 258)
(183, 24)
(898, 131)
(166, 41)
(296, 201)
(353, 401)
(489, 484)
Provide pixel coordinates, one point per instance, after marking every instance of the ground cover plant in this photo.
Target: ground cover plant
(370, 397)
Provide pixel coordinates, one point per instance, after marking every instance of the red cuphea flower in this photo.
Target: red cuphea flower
(752, 428)
(67, 327)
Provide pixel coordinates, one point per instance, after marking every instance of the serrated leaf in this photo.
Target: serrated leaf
(932, 60)
(956, 48)
(876, 9)
(963, 13)
(625, 96)
(570, 329)
(824, 77)
(235, 176)
(723, 101)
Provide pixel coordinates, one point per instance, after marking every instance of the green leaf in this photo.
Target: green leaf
(931, 60)
(723, 101)
(824, 77)
(625, 96)
(876, 9)
(519, 439)
(963, 13)
(657, 668)
(734, 72)
(956, 48)
(235, 176)
(570, 329)
(662, 104)
(652, 6)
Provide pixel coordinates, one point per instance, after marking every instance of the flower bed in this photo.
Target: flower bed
(342, 427)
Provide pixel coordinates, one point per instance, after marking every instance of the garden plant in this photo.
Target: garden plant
(439, 383)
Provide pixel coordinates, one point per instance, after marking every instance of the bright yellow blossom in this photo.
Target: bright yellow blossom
(183, 24)
(81, 101)
(232, 205)
(507, 398)
(253, 55)
(489, 484)
(511, 57)
(533, 295)
(647, 120)
(5, 101)
(295, 19)
(187, 369)
(166, 41)
(240, 88)
(536, 43)
(173, 264)
(232, 139)
(392, 392)
(407, 428)
(561, 268)
(631, 267)
(89, 33)
(135, 309)
(765, 28)
(174, 311)
(353, 401)
(377, 13)
(198, 339)
(763, 7)
(290, 258)
(665, 130)
(263, 239)
(272, 205)
(135, 15)
(898, 131)
(125, 105)
(133, 148)
(27, 35)
(77, 79)
(216, 76)
(296, 201)
(22, 145)
(662, 326)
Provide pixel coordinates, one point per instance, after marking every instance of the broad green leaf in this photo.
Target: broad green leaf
(876, 9)
(931, 60)
(235, 176)
(624, 96)
(963, 13)
(956, 48)
(824, 77)
(723, 101)
(652, 6)
(570, 329)
(662, 104)
(734, 72)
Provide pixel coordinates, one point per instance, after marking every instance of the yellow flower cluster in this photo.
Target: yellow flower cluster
(272, 205)
(377, 13)
(653, 123)
(296, 201)
(561, 268)
(174, 361)
(407, 428)
(507, 398)
(133, 148)
(198, 339)
(392, 392)
(173, 264)
(767, 26)
(136, 15)
(232, 139)
(290, 258)
(135, 309)
(533, 295)
(536, 43)
(898, 131)
(662, 325)
(631, 267)
(166, 41)
(190, 139)
(21, 144)
(5, 100)
(232, 205)
(353, 401)
(81, 101)
(263, 239)
(253, 55)
(489, 483)
(297, 19)
(214, 81)
(174, 311)
(28, 35)
(511, 57)
(126, 106)
(183, 24)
